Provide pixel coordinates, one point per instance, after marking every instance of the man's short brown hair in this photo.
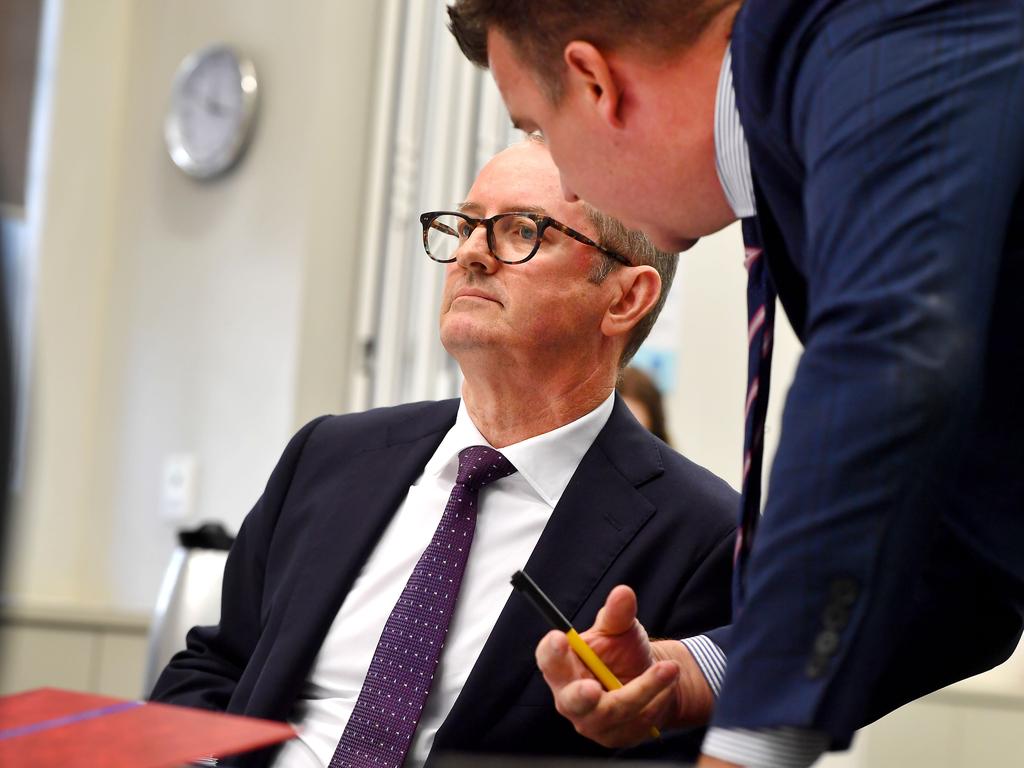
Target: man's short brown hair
(540, 29)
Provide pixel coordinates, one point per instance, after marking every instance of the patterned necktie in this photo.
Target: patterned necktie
(760, 327)
(382, 724)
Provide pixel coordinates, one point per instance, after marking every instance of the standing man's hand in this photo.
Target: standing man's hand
(662, 685)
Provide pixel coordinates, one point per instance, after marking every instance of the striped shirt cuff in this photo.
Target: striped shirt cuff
(709, 658)
(765, 747)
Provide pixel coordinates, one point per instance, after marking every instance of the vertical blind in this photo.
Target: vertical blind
(438, 120)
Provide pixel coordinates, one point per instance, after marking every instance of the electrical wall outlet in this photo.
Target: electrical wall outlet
(178, 487)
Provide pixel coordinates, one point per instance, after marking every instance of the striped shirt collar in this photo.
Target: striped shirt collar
(732, 158)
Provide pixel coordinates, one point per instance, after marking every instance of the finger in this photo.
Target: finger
(618, 615)
(624, 717)
(578, 699)
(557, 662)
(659, 712)
(627, 703)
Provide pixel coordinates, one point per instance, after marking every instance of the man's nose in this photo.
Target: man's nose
(567, 192)
(475, 254)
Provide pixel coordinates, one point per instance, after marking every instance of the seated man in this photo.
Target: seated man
(362, 581)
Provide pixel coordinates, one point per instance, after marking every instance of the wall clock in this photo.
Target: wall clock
(213, 107)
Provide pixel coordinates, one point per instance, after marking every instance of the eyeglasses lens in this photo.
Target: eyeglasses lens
(514, 236)
(444, 235)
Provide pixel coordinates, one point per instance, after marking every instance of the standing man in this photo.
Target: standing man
(367, 597)
(875, 152)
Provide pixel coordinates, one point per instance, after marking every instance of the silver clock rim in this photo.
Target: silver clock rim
(226, 158)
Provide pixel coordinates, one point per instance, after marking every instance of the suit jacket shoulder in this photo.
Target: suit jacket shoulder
(333, 490)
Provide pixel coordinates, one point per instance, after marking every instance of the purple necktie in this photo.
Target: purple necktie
(384, 719)
(760, 328)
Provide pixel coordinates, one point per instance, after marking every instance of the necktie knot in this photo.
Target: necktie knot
(480, 465)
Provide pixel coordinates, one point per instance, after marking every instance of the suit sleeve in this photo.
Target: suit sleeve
(205, 674)
(909, 134)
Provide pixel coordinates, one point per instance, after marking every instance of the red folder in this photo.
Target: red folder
(48, 728)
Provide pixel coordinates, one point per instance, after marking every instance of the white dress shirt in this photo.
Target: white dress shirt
(512, 514)
(765, 747)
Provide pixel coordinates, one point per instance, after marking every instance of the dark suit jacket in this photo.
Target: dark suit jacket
(887, 147)
(635, 512)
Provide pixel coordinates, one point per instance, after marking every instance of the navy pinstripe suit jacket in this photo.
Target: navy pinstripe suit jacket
(887, 148)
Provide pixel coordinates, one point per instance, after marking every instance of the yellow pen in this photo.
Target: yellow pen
(528, 587)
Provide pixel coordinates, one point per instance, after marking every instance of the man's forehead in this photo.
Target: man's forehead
(520, 178)
(478, 209)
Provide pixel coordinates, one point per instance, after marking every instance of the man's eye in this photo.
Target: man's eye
(465, 230)
(521, 228)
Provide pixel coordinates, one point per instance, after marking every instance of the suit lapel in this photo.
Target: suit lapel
(351, 524)
(598, 515)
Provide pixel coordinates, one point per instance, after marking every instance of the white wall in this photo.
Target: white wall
(174, 316)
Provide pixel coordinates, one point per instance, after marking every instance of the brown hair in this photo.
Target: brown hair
(638, 385)
(540, 29)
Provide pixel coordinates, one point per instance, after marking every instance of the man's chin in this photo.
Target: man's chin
(666, 241)
(670, 242)
(458, 337)
(677, 244)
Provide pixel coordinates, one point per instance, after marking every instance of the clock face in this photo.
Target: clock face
(212, 108)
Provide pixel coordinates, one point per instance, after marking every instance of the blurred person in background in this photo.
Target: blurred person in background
(644, 399)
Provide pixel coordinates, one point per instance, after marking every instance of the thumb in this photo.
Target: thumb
(618, 615)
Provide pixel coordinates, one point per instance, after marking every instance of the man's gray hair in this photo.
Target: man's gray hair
(636, 247)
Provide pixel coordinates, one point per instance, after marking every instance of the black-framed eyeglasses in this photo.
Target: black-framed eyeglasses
(512, 237)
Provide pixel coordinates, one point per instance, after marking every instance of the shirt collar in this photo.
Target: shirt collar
(732, 157)
(546, 462)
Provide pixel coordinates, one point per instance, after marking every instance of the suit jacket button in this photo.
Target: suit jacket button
(826, 643)
(836, 617)
(815, 668)
(844, 591)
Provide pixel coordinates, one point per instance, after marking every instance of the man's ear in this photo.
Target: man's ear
(639, 289)
(590, 73)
